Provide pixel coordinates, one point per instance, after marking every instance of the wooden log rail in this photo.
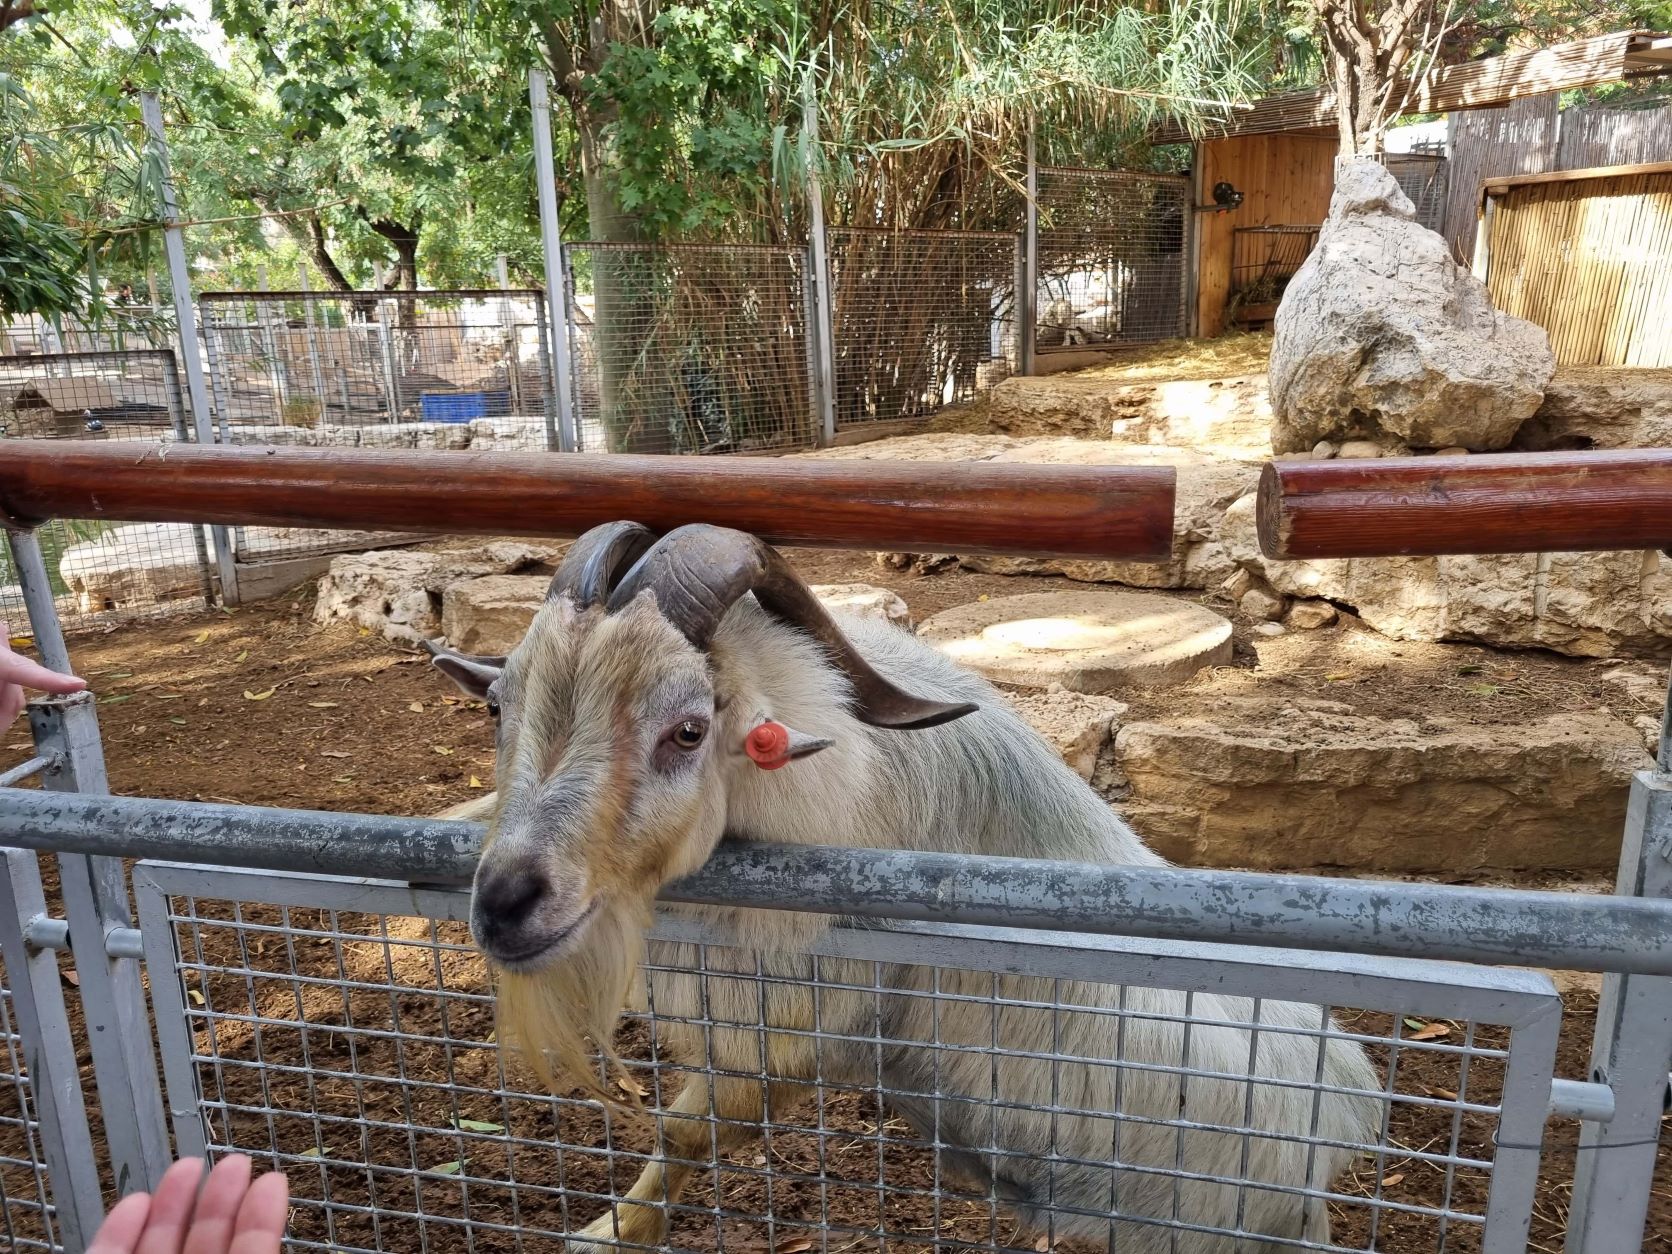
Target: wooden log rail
(1496, 503)
(1097, 512)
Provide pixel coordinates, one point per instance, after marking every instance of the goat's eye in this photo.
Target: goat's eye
(689, 734)
(493, 706)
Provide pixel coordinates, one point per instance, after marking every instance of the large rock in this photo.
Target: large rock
(141, 564)
(1076, 724)
(1083, 641)
(864, 600)
(1581, 604)
(1304, 787)
(491, 614)
(1231, 415)
(1381, 333)
(1601, 407)
(400, 593)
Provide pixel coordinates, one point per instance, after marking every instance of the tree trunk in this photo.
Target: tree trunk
(404, 240)
(623, 304)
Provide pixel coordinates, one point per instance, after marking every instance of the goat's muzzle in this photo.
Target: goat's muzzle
(521, 920)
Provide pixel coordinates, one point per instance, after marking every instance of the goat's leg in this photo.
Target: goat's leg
(694, 1133)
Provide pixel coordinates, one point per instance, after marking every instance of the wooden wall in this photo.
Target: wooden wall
(1590, 261)
(1285, 181)
(1492, 143)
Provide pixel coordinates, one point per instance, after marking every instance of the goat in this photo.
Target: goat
(629, 734)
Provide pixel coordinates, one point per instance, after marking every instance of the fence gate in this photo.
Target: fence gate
(1113, 255)
(690, 348)
(467, 368)
(921, 320)
(105, 570)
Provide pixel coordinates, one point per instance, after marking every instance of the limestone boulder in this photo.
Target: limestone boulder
(1303, 787)
(1083, 641)
(864, 600)
(491, 614)
(400, 594)
(1231, 414)
(1601, 407)
(1381, 334)
(1580, 604)
(1078, 725)
(141, 564)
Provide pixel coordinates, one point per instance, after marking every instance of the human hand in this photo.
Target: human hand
(231, 1216)
(18, 673)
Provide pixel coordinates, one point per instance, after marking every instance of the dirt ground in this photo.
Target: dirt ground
(259, 705)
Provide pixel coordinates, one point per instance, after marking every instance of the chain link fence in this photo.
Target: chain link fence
(104, 570)
(920, 320)
(690, 348)
(1113, 253)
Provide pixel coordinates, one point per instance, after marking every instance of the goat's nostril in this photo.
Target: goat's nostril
(507, 900)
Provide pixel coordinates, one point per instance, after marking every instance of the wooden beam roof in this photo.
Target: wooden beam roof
(1485, 84)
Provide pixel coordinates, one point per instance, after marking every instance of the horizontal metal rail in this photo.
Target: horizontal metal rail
(1505, 503)
(1558, 930)
(23, 770)
(945, 507)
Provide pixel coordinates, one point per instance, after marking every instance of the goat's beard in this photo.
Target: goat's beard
(562, 1018)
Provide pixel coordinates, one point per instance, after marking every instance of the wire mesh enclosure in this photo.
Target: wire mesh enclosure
(1422, 177)
(1112, 257)
(104, 570)
(920, 319)
(1263, 260)
(909, 1085)
(26, 1210)
(689, 348)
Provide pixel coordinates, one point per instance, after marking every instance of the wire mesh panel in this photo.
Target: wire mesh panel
(27, 1216)
(922, 1086)
(425, 370)
(1112, 257)
(1422, 177)
(104, 570)
(689, 348)
(1263, 260)
(921, 320)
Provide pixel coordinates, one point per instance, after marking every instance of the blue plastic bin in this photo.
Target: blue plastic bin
(451, 406)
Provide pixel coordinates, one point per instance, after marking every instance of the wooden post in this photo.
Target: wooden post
(1101, 512)
(1497, 503)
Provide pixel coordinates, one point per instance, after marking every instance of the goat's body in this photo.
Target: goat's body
(962, 1056)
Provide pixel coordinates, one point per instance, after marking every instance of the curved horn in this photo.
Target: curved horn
(697, 573)
(595, 561)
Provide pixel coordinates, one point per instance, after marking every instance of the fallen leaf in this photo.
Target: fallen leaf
(449, 701)
(794, 1247)
(478, 1125)
(116, 674)
(442, 750)
(1389, 1181)
(259, 696)
(323, 705)
(22, 642)
(474, 782)
(314, 1151)
(1416, 1025)
(365, 631)
(1338, 677)
(983, 597)
(226, 610)
(417, 707)
(242, 656)
(196, 997)
(117, 699)
(627, 1084)
(72, 978)
(1473, 668)
(1443, 1094)
(178, 722)
(450, 1169)
(202, 637)
(332, 753)
(1484, 690)
(167, 696)
(342, 779)
(1430, 1032)
(1043, 1244)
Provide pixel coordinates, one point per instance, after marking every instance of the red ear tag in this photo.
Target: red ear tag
(768, 746)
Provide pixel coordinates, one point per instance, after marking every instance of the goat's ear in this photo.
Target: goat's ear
(474, 674)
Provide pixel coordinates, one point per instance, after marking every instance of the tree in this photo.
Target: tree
(1378, 51)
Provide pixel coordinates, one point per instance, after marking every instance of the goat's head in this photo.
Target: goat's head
(614, 741)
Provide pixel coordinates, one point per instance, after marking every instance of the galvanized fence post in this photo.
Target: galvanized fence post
(1632, 1048)
(177, 416)
(185, 317)
(1027, 296)
(820, 317)
(551, 246)
(508, 319)
(96, 903)
(49, 1051)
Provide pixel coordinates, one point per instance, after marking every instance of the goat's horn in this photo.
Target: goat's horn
(596, 560)
(697, 573)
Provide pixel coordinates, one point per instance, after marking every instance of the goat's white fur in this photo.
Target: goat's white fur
(989, 784)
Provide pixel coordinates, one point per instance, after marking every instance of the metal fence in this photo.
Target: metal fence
(937, 1072)
(102, 569)
(1424, 177)
(921, 320)
(690, 348)
(1113, 253)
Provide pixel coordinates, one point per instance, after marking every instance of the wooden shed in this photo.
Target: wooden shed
(1262, 180)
